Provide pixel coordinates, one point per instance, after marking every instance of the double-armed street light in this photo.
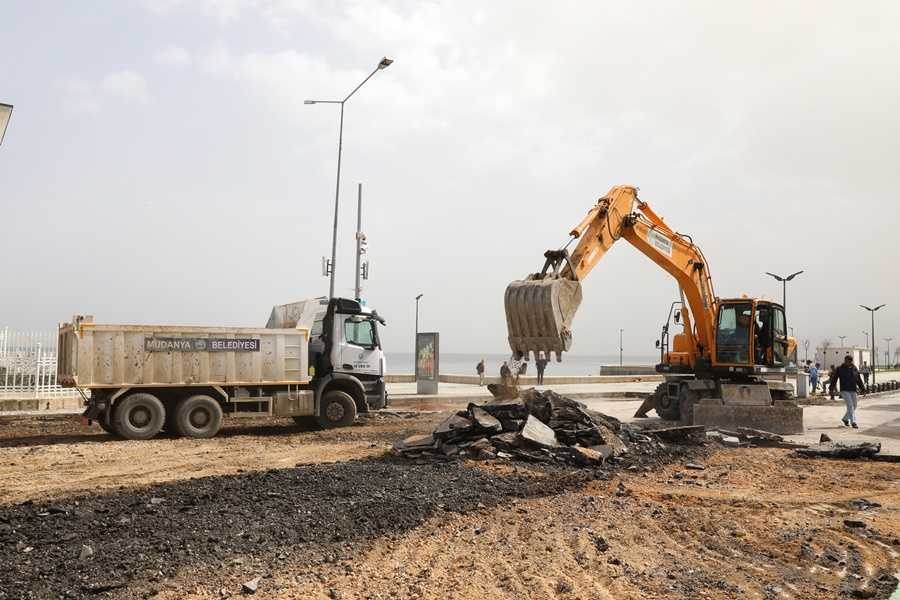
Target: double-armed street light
(783, 280)
(383, 64)
(872, 312)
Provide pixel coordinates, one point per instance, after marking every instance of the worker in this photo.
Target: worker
(740, 339)
(540, 364)
(505, 374)
(814, 377)
(851, 385)
(479, 368)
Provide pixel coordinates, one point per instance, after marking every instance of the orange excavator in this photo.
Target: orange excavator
(720, 369)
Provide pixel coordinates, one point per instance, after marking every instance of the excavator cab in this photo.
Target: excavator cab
(751, 334)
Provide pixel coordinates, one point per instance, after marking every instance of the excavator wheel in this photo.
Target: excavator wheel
(666, 408)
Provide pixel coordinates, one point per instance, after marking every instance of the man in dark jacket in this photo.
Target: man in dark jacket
(851, 384)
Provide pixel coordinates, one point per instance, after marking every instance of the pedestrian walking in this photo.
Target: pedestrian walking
(540, 364)
(851, 385)
(814, 377)
(865, 372)
(479, 368)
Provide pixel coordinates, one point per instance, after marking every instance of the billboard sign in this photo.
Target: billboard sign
(427, 362)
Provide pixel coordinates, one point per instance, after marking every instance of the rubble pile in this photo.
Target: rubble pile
(539, 426)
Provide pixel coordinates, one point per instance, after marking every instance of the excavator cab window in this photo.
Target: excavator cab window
(733, 333)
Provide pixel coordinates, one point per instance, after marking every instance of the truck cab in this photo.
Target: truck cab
(344, 347)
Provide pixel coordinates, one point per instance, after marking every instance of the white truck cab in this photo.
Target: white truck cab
(344, 343)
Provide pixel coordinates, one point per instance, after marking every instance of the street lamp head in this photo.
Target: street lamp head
(385, 63)
(777, 277)
(789, 277)
(419, 296)
(5, 114)
(309, 102)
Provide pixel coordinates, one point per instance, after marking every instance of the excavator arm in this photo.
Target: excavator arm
(540, 308)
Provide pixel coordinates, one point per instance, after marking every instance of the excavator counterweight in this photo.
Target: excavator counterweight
(539, 314)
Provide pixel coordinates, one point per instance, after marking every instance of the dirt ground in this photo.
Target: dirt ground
(331, 515)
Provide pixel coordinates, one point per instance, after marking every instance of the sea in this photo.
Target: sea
(464, 364)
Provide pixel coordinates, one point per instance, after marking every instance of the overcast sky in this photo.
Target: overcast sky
(160, 165)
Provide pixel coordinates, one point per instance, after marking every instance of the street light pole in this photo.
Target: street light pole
(620, 346)
(866, 333)
(419, 297)
(872, 314)
(5, 115)
(360, 246)
(783, 281)
(385, 63)
(888, 361)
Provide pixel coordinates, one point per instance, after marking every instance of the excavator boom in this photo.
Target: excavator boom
(541, 307)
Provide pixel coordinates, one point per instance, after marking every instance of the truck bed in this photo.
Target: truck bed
(107, 356)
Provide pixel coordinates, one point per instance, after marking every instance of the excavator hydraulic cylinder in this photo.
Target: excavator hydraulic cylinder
(539, 315)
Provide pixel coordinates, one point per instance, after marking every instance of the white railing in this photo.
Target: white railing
(28, 366)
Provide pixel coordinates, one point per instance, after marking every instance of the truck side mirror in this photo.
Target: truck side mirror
(657, 343)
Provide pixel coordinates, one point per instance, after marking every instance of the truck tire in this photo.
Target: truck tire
(666, 408)
(336, 409)
(138, 416)
(107, 428)
(198, 417)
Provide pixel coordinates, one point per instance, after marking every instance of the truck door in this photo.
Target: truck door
(361, 350)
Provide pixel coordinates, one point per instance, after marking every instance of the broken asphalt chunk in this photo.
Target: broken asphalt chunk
(537, 433)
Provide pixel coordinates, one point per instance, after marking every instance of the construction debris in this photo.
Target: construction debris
(539, 426)
(841, 450)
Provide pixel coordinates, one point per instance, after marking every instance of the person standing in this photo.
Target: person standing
(865, 372)
(540, 364)
(479, 368)
(851, 385)
(505, 374)
(814, 377)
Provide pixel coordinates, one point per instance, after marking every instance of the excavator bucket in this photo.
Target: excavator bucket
(539, 315)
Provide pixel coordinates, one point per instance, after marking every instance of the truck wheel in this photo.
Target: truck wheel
(198, 417)
(336, 409)
(666, 407)
(138, 416)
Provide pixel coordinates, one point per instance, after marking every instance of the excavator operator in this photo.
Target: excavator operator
(763, 337)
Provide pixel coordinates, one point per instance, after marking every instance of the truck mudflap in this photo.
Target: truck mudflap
(91, 413)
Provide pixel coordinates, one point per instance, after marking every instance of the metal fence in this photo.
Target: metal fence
(28, 365)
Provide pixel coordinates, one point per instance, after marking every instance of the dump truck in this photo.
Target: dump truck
(720, 369)
(318, 359)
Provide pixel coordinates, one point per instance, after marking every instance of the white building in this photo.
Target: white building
(834, 355)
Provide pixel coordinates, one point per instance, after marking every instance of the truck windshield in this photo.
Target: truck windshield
(360, 333)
